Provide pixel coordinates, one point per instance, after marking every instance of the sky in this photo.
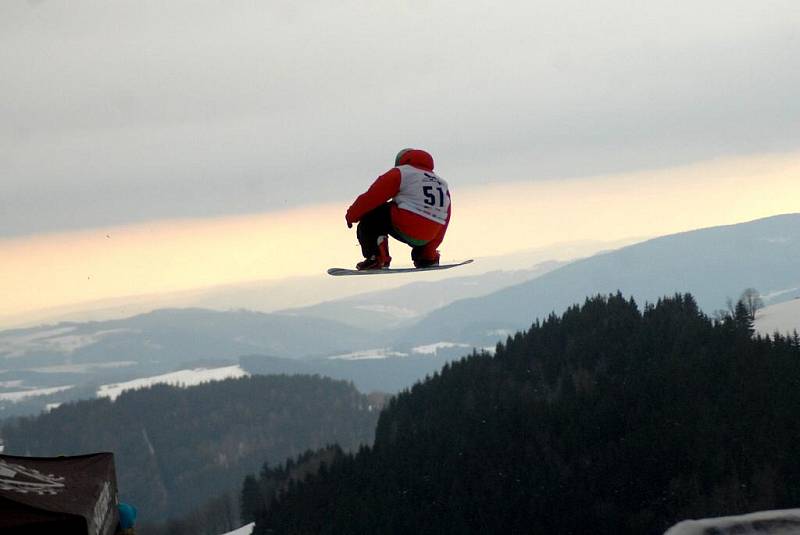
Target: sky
(151, 147)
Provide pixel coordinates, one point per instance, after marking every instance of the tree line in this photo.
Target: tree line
(177, 449)
(609, 418)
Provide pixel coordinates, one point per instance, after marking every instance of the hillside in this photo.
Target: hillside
(76, 358)
(714, 264)
(608, 420)
(177, 447)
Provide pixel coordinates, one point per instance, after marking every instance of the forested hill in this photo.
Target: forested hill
(608, 419)
(177, 447)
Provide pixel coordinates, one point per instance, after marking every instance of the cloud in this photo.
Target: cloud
(124, 112)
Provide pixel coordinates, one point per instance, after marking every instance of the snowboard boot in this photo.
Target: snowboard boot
(380, 260)
(423, 262)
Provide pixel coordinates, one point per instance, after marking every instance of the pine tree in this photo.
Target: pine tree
(744, 318)
(251, 502)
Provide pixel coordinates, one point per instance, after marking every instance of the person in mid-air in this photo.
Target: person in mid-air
(411, 203)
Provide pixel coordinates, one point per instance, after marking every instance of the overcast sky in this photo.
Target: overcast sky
(116, 112)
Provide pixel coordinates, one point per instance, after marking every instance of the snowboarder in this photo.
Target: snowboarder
(411, 203)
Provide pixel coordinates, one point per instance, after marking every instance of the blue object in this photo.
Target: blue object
(127, 515)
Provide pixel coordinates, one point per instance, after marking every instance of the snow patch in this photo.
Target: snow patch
(369, 354)
(51, 406)
(180, 378)
(244, 530)
(784, 522)
(432, 349)
(15, 397)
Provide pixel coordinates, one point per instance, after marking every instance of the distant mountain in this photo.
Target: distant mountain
(714, 264)
(406, 304)
(78, 357)
(43, 366)
(173, 336)
(177, 447)
(610, 418)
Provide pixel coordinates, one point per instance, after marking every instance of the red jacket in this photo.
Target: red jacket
(408, 223)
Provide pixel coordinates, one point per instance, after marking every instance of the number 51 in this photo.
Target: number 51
(430, 198)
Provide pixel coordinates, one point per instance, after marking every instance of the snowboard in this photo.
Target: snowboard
(337, 272)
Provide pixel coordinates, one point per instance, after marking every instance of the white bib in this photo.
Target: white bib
(423, 192)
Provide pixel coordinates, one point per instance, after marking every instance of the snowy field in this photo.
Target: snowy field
(432, 349)
(783, 317)
(180, 378)
(785, 522)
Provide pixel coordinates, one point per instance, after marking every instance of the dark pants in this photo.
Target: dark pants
(378, 223)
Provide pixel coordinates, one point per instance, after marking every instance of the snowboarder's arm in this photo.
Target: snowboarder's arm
(384, 188)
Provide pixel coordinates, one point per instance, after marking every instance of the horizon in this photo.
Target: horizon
(121, 307)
